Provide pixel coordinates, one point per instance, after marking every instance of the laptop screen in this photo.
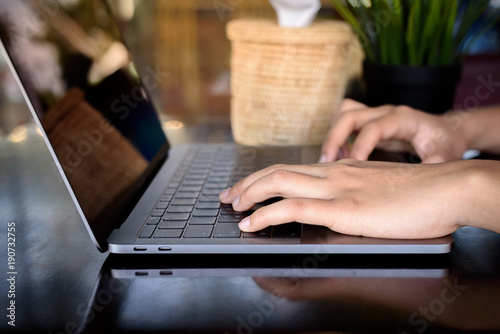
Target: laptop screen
(82, 85)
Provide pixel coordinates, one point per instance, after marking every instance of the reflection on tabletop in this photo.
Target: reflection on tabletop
(304, 293)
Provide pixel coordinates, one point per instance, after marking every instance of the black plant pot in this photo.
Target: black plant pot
(427, 88)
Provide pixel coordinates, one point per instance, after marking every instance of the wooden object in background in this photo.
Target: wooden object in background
(286, 83)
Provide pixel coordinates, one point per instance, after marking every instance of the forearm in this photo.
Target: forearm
(482, 129)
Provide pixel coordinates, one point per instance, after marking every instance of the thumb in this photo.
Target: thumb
(439, 156)
(434, 159)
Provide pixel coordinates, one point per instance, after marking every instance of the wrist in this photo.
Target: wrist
(478, 189)
(470, 130)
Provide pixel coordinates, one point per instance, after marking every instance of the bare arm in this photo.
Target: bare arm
(436, 138)
(373, 198)
(482, 129)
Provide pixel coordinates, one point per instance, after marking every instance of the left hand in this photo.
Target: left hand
(374, 199)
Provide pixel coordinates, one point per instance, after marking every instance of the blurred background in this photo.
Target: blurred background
(185, 42)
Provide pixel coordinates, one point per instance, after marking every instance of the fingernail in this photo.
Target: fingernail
(235, 202)
(224, 193)
(322, 159)
(244, 224)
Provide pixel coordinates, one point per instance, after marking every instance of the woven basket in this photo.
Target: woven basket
(286, 83)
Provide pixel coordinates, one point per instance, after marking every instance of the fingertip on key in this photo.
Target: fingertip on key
(244, 224)
(224, 193)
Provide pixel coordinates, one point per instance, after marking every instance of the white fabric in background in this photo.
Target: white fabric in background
(295, 13)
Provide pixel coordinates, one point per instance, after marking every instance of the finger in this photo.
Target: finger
(440, 155)
(302, 210)
(345, 125)
(343, 152)
(281, 183)
(229, 195)
(433, 152)
(349, 104)
(383, 128)
(434, 159)
(285, 211)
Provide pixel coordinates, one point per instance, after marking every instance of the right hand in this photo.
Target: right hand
(432, 138)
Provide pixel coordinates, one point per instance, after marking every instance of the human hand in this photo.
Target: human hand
(374, 199)
(433, 139)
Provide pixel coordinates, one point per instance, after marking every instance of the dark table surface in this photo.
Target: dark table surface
(62, 283)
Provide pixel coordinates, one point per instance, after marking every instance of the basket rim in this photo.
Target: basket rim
(269, 32)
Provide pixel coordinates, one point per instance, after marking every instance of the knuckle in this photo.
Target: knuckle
(279, 175)
(275, 168)
(372, 128)
(402, 109)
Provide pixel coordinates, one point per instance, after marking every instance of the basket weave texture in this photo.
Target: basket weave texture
(286, 83)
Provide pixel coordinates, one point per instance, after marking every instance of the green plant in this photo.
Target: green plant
(416, 32)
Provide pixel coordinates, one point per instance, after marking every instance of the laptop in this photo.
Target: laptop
(136, 193)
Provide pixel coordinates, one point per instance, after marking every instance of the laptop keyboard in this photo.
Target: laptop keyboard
(190, 207)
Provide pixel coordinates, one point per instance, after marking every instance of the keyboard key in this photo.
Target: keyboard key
(190, 188)
(227, 209)
(169, 191)
(198, 231)
(173, 185)
(184, 201)
(289, 226)
(157, 213)
(286, 233)
(166, 198)
(219, 181)
(172, 224)
(205, 213)
(209, 198)
(198, 170)
(162, 205)
(176, 216)
(197, 176)
(147, 231)
(227, 231)
(202, 221)
(212, 185)
(208, 205)
(230, 218)
(168, 233)
(177, 179)
(179, 208)
(265, 233)
(215, 191)
(153, 220)
(193, 183)
(191, 194)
